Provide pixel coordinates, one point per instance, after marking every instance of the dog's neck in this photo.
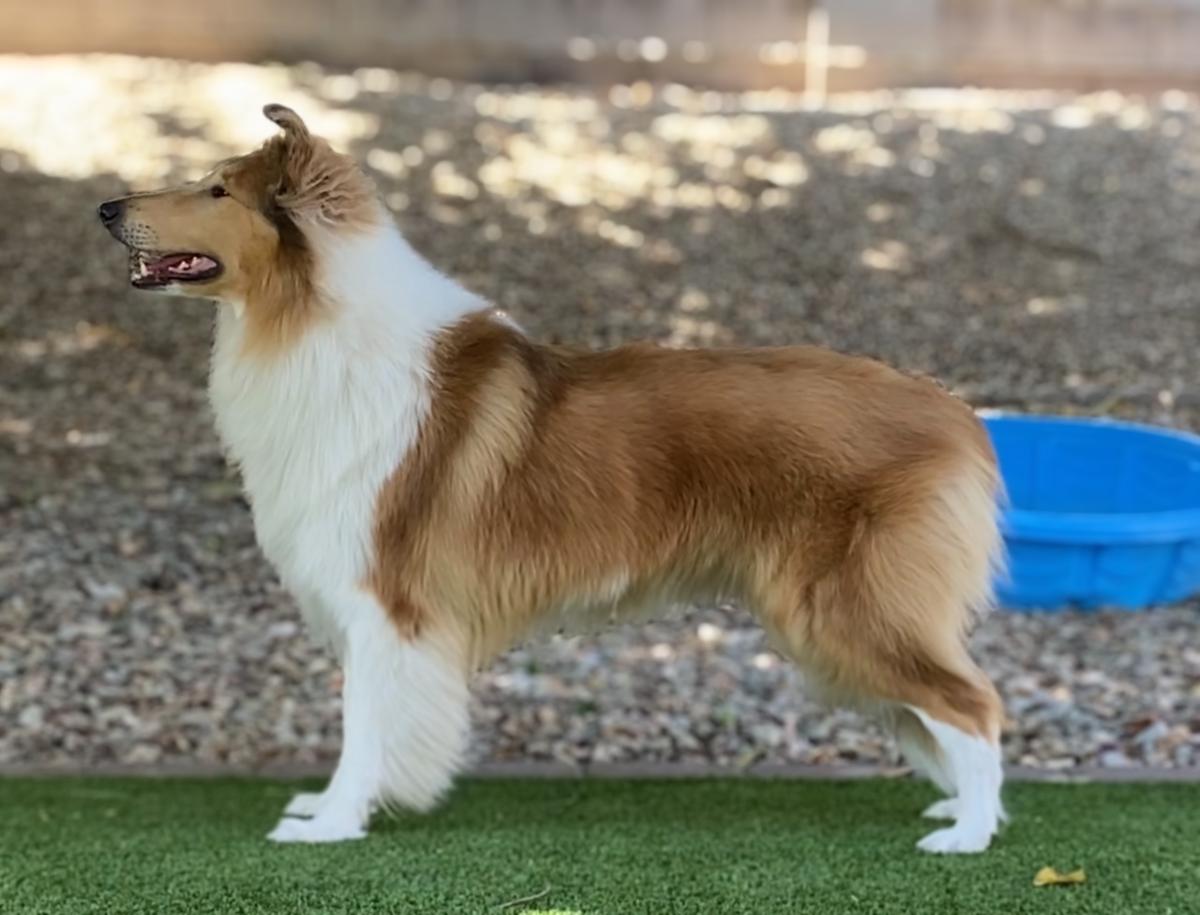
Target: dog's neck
(376, 304)
(375, 276)
(346, 399)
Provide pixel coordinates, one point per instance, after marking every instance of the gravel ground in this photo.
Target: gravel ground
(1034, 251)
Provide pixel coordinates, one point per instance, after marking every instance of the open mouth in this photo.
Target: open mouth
(149, 270)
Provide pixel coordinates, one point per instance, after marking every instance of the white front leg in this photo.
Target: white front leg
(404, 722)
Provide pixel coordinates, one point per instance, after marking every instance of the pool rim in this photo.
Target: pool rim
(1099, 528)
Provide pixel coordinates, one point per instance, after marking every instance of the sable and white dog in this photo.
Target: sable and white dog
(431, 485)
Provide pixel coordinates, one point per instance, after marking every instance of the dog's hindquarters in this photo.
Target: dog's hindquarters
(886, 629)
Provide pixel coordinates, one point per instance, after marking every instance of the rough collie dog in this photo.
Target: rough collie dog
(432, 485)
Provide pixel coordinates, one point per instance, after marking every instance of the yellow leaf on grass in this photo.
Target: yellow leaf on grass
(1048, 876)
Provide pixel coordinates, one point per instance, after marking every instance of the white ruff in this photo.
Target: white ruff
(316, 431)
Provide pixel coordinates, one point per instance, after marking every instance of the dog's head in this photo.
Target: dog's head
(243, 232)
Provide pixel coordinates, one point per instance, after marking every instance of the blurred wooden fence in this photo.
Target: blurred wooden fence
(851, 44)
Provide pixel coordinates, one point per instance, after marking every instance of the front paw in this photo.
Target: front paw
(318, 829)
(947, 809)
(304, 804)
(955, 840)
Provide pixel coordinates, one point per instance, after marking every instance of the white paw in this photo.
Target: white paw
(304, 804)
(940, 810)
(322, 829)
(955, 841)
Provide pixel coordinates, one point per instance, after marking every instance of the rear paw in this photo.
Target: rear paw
(942, 810)
(321, 829)
(304, 804)
(955, 841)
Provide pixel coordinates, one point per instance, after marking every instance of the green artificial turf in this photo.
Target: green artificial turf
(611, 847)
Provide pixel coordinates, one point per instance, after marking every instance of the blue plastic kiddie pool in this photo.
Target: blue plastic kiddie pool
(1100, 514)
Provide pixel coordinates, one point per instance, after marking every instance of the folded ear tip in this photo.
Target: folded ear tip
(284, 116)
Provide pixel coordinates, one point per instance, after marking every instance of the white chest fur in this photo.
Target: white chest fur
(317, 430)
(315, 433)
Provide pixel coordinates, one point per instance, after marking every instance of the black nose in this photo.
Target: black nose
(110, 211)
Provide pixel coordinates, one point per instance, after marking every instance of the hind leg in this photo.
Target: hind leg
(921, 752)
(949, 728)
(884, 621)
(920, 748)
(973, 761)
(945, 711)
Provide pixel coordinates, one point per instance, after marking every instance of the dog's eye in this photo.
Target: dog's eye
(217, 191)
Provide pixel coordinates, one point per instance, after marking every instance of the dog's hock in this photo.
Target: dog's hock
(287, 119)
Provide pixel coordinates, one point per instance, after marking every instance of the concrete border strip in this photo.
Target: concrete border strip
(540, 770)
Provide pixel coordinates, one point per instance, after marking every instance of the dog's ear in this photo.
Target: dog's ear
(292, 124)
(313, 181)
(293, 155)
